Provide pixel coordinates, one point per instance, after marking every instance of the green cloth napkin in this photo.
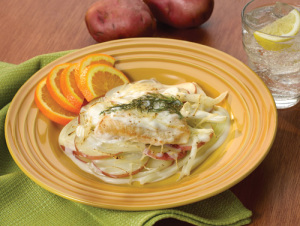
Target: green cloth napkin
(23, 202)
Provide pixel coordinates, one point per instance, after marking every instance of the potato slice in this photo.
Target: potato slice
(124, 165)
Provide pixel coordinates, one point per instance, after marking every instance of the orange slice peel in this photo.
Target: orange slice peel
(95, 58)
(49, 107)
(53, 85)
(69, 87)
(97, 79)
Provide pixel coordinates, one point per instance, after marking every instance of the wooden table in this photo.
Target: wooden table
(31, 27)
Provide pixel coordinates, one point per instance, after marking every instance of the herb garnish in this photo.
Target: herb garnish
(150, 103)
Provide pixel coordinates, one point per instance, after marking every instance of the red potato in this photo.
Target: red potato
(167, 156)
(115, 19)
(167, 153)
(124, 165)
(118, 173)
(190, 87)
(82, 159)
(101, 155)
(181, 14)
(186, 147)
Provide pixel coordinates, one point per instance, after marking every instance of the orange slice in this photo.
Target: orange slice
(97, 79)
(49, 107)
(96, 58)
(69, 87)
(53, 85)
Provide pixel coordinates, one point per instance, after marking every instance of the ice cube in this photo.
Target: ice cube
(281, 9)
(259, 18)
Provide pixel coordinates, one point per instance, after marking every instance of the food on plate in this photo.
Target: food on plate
(53, 85)
(97, 79)
(130, 132)
(95, 58)
(181, 13)
(49, 107)
(85, 62)
(145, 131)
(69, 85)
(113, 19)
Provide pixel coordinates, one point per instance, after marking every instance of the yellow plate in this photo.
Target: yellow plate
(32, 138)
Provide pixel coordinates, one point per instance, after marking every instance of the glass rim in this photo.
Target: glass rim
(255, 29)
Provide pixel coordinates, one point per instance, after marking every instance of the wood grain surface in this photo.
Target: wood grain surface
(31, 27)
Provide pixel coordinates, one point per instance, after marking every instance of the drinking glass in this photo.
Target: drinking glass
(276, 59)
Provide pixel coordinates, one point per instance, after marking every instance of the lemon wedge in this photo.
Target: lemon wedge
(268, 36)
